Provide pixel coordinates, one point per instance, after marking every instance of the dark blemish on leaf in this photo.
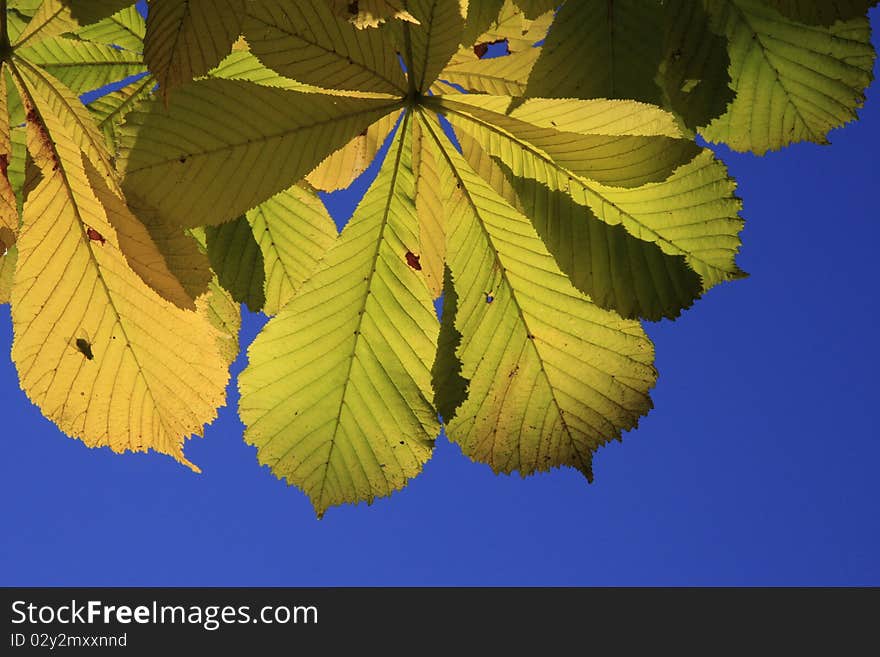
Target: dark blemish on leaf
(413, 261)
(353, 8)
(182, 159)
(95, 236)
(4, 163)
(530, 336)
(402, 443)
(85, 348)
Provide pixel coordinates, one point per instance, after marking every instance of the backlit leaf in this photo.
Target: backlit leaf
(336, 396)
(186, 161)
(187, 38)
(793, 82)
(551, 376)
(306, 42)
(153, 379)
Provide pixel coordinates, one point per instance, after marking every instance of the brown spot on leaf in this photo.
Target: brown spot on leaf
(413, 261)
(95, 236)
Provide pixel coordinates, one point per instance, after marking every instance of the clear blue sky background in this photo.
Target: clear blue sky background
(758, 465)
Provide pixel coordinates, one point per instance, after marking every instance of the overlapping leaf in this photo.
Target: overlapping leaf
(103, 355)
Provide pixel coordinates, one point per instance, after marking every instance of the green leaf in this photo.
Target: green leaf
(551, 376)
(693, 213)
(82, 65)
(620, 143)
(110, 110)
(503, 76)
(125, 29)
(601, 49)
(450, 388)
(187, 161)
(238, 261)
(86, 12)
(693, 74)
(336, 396)
(532, 9)
(306, 42)
(429, 46)
(617, 271)
(187, 38)
(480, 16)
(793, 82)
(294, 231)
(822, 12)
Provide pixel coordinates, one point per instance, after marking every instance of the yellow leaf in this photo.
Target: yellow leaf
(51, 19)
(102, 355)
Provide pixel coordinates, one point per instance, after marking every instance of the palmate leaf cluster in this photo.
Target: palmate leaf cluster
(540, 172)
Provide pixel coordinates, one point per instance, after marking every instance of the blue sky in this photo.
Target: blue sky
(757, 466)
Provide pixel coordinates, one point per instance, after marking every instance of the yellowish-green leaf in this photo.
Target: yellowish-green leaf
(187, 162)
(110, 110)
(793, 82)
(187, 38)
(621, 143)
(102, 355)
(600, 49)
(617, 271)
(431, 210)
(551, 376)
(693, 213)
(52, 18)
(503, 76)
(339, 169)
(237, 260)
(336, 395)
(371, 13)
(428, 46)
(82, 65)
(7, 272)
(225, 316)
(294, 231)
(305, 41)
(125, 29)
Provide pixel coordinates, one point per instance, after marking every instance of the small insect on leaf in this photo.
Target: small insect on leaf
(95, 236)
(413, 261)
(85, 348)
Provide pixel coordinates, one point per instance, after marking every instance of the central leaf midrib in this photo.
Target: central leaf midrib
(396, 104)
(329, 51)
(384, 224)
(92, 257)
